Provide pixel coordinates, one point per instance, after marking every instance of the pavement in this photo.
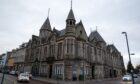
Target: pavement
(44, 79)
(97, 81)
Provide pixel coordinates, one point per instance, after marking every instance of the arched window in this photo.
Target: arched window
(80, 32)
(70, 22)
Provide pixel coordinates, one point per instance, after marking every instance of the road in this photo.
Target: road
(9, 79)
(118, 81)
(106, 81)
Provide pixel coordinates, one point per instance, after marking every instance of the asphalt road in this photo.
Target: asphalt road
(106, 81)
(119, 81)
(10, 79)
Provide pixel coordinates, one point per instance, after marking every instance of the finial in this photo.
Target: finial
(48, 12)
(96, 28)
(71, 4)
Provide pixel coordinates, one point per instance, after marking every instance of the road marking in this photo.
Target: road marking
(126, 82)
(15, 82)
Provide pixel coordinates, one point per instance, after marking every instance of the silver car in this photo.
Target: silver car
(127, 78)
(29, 74)
(23, 77)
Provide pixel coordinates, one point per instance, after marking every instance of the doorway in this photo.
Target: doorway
(50, 71)
(93, 72)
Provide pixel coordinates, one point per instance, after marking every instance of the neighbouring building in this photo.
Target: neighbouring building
(10, 61)
(70, 54)
(3, 59)
(17, 58)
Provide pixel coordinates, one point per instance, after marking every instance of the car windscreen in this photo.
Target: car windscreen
(24, 75)
(127, 76)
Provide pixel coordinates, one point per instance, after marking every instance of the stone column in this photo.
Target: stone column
(65, 46)
(73, 42)
(68, 72)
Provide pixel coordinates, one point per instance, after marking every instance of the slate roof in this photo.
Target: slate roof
(71, 15)
(46, 24)
(60, 33)
(35, 38)
(80, 23)
(96, 35)
(113, 48)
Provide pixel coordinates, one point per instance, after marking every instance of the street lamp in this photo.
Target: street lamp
(129, 55)
(3, 68)
(132, 54)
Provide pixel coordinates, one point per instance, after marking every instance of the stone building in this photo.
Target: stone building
(10, 61)
(17, 58)
(20, 58)
(70, 54)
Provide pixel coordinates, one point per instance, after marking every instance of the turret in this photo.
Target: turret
(45, 31)
(70, 23)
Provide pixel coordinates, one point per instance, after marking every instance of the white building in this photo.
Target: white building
(3, 60)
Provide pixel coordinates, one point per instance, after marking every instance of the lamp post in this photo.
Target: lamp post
(3, 67)
(129, 56)
(4, 61)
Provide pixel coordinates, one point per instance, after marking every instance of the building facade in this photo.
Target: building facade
(17, 58)
(70, 54)
(3, 60)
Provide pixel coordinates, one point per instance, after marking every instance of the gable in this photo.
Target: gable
(80, 31)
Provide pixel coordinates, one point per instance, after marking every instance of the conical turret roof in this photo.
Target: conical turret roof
(71, 15)
(46, 24)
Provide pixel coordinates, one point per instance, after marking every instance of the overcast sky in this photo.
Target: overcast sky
(20, 19)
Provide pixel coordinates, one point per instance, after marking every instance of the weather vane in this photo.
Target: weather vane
(48, 11)
(96, 28)
(71, 4)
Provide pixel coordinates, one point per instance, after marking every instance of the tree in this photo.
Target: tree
(137, 69)
(138, 66)
(129, 67)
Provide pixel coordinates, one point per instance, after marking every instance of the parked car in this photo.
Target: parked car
(135, 75)
(23, 77)
(30, 75)
(127, 78)
(17, 73)
(12, 72)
